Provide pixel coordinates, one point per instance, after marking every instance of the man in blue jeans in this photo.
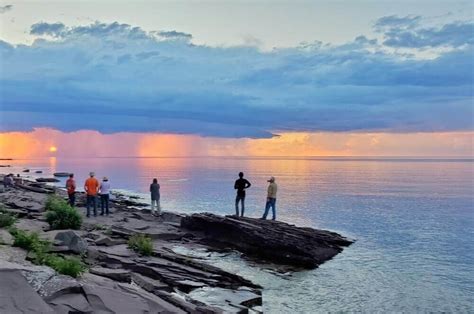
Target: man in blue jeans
(271, 198)
(240, 185)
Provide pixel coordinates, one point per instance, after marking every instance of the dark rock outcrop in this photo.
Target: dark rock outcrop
(47, 180)
(275, 241)
(61, 174)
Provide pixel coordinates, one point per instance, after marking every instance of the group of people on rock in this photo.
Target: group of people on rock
(101, 190)
(94, 188)
(242, 184)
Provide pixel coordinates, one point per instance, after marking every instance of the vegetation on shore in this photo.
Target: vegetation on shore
(32, 243)
(141, 244)
(6, 220)
(60, 215)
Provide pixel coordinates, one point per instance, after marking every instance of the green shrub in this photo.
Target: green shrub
(65, 265)
(40, 248)
(60, 215)
(6, 220)
(25, 240)
(141, 244)
(54, 201)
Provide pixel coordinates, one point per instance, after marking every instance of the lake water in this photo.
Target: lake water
(413, 220)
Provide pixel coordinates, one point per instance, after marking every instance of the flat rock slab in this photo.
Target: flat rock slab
(115, 274)
(275, 241)
(32, 225)
(5, 237)
(17, 296)
(102, 299)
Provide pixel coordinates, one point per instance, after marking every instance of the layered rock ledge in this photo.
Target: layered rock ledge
(274, 241)
(119, 280)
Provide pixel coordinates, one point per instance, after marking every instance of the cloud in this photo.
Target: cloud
(407, 32)
(5, 8)
(116, 77)
(392, 21)
(174, 35)
(41, 28)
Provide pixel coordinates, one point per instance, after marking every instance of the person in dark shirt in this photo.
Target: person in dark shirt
(155, 198)
(240, 185)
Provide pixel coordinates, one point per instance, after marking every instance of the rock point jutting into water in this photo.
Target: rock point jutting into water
(274, 241)
(120, 280)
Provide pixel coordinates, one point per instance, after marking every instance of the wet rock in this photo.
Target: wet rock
(38, 171)
(17, 296)
(274, 241)
(26, 170)
(72, 240)
(61, 174)
(47, 180)
(236, 300)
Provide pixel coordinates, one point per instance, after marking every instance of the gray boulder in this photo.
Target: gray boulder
(72, 240)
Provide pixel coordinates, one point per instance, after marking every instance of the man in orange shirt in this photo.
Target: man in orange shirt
(71, 189)
(92, 188)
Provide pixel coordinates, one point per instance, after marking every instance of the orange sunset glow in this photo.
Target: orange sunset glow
(38, 143)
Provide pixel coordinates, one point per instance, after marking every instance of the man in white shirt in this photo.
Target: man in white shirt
(104, 196)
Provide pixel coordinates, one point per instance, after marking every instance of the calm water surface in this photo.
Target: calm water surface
(413, 221)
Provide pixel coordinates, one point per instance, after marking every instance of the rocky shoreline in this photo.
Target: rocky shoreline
(119, 280)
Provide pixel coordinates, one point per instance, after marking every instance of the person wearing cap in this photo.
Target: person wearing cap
(71, 189)
(240, 185)
(92, 188)
(271, 198)
(104, 196)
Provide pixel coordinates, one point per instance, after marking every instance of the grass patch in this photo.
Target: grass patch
(32, 243)
(141, 244)
(25, 240)
(6, 220)
(70, 266)
(60, 215)
(99, 227)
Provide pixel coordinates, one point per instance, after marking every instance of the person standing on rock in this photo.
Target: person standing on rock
(92, 188)
(240, 185)
(8, 181)
(271, 198)
(155, 197)
(104, 196)
(71, 189)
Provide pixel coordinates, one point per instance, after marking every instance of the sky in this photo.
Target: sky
(281, 78)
